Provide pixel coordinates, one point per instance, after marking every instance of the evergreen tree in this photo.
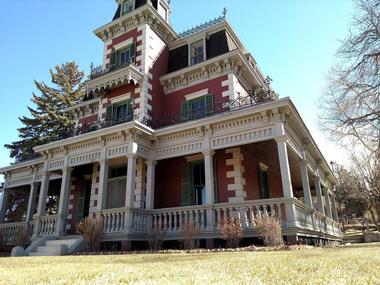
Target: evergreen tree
(48, 121)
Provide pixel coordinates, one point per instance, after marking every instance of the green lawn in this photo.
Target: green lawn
(352, 265)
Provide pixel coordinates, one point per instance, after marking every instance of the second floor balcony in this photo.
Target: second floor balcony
(109, 77)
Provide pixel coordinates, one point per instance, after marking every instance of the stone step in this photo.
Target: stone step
(59, 249)
(67, 242)
(43, 254)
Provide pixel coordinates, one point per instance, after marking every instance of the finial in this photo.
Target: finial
(225, 12)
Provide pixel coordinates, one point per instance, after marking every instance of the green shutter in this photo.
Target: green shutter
(132, 53)
(130, 110)
(185, 111)
(109, 114)
(185, 181)
(209, 104)
(113, 59)
(264, 191)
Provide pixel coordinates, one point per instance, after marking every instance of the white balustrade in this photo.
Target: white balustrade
(114, 220)
(47, 225)
(11, 230)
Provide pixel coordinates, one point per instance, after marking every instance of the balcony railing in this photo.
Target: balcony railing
(255, 97)
(101, 70)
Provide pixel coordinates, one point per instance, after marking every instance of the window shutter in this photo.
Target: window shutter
(130, 110)
(132, 53)
(264, 191)
(185, 169)
(185, 111)
(109, 114)
(209, 104)
(113, 59)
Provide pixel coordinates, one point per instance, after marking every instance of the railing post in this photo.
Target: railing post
(287, 188)
(60, 228)
(42, 200)
(210, 196)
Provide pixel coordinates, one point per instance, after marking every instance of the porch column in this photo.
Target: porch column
(327, 202)
(63, 201)
(41, 202)
(150, 178)
(305, 183)
(334, 209)
(31, 201)
(318, 191)
(103, 180)
(131, 178)
(210, 196)
(286, 179)
(3, 205)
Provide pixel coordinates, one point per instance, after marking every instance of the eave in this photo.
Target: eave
(235, 57)
(143, 13)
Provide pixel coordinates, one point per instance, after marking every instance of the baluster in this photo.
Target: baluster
(218, 216)
(114, 222)
(251, 217)
(225, 218)
(279, 213)
(175, 222)
(258, 211)
(197, 218)
(160, 221)
(180, 220)
(265, 207)
(170, 221)
(118, 219)
(272, 211)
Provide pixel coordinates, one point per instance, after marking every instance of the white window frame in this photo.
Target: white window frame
(204, 50)
(122, 6)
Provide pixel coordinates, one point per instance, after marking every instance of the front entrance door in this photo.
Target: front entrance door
(84, 200)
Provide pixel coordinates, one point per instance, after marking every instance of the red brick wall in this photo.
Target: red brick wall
(171, 103)
(88, 120)
(168, 183)
(221, 171)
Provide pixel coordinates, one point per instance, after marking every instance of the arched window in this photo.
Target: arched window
(127, 6)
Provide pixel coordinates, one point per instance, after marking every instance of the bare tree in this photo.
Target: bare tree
(367, 174)
(351, 107)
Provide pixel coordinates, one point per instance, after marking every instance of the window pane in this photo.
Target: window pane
(196, 52)
(197, 109)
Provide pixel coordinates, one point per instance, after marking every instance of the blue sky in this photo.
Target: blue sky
(293, 41)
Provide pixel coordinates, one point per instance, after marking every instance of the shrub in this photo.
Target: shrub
(190, 233)
(22, 237)
(155, 238)
(231, 231)
(270, 231)
(92, 231)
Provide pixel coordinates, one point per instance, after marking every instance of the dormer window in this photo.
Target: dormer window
(197, 53)
(127, 6)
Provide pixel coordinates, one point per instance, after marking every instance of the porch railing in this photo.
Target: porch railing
(170, 220)
(47, 225)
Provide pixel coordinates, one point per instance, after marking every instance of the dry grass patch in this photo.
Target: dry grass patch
(350, 265)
